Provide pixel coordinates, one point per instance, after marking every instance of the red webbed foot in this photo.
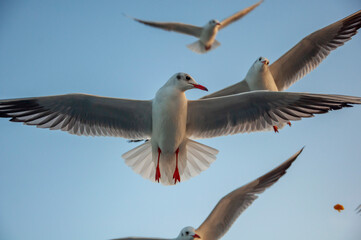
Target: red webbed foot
(157, 170)
(275, 128)
(176, 175)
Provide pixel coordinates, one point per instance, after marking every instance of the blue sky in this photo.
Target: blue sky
(54, 185)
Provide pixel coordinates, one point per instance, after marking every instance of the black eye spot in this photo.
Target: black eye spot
(187, 233)
(179, 77)
(259, 59)
(188, 78)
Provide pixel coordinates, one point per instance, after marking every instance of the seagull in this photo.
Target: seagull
(358, 209)
(169, 121)
(230, 207)
(297, 62)
(206, 34)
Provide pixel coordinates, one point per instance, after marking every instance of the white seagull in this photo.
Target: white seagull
(297, 62)
(229, 207)
(206, 34)
(169, 121)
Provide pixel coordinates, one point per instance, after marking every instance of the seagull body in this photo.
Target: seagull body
(230, 207)
(206, 34)
(297, 62)
(169, 121)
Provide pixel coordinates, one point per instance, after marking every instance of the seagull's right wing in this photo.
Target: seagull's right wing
(174, 26)
(257, 111)
(83, 114)
(232, 205)
(312, 50)
(238, 15)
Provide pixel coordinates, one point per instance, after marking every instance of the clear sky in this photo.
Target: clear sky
(58, 186)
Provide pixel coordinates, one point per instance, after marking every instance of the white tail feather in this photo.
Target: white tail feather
(193, 158)
(199, 47)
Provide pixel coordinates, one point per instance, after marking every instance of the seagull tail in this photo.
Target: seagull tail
(193, 158)
(199, 47)
(140, 160)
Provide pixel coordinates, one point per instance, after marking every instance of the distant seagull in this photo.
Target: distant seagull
(230, 207)
(169, 121)
(358, 209)
(206, 34)
(297, 62)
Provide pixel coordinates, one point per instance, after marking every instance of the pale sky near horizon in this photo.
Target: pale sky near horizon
(58, 186)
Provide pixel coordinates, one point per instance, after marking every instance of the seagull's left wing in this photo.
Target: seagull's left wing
(174, 26)
(312, 50)
(257, 111)
(238, 15)
(83, 114)
(233, 204)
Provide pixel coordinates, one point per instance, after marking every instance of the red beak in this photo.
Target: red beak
(196, 236)
(200, 87)
(218, 24)
(265, 62)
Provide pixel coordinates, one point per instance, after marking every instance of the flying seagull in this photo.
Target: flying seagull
(229, 207)
(169, 121)
(206, 34)
(297, 62)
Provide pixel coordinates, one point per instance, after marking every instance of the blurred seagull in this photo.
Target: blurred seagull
(230, 207)
(297, 62)
(169, 121)
(358, 209)
(206, 34)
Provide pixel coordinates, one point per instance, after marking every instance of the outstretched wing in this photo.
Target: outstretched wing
(312, 50)
(257, 111)
(83, 114)
(239, 87)
(233, 204)
(174, 26)
(238, 15)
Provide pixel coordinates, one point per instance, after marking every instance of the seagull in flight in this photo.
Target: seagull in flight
(170, 121)
(297, 62)
(206, 34)
(229, 207)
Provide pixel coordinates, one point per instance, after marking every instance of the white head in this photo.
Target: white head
(188, 233)
(184, 82)
(260, 63)
(213, 24)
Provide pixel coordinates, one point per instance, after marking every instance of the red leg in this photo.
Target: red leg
(157, 171)
(207, 48)
(275, 128)
(176, 175)
(289, 124)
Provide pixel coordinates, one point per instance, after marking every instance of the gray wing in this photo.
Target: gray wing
(83, 114)
(174, 26)
(239, 87)
(238, 15)
(312, 50)
(358, 209)
(232, 205)
(257, 111)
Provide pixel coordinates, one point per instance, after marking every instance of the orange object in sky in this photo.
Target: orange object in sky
(338, 207)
